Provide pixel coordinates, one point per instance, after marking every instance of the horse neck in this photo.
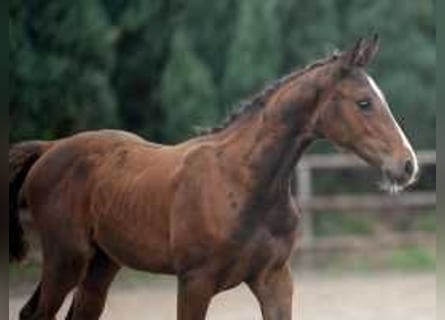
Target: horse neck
(267, 142)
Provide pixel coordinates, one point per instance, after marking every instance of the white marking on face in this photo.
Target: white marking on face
(377, 90)
(402, 135)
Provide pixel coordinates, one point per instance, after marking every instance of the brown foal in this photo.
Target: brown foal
(215, 210)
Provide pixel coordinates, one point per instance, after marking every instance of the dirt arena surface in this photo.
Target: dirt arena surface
(376, 296)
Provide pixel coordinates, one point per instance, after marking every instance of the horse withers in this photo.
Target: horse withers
(215, 210)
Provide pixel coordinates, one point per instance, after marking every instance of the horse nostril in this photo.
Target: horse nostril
(409, 167)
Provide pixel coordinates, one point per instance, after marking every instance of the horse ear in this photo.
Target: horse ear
(363, 52)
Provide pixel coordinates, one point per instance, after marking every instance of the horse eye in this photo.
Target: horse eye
(364, 104)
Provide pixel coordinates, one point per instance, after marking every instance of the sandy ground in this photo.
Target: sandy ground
(377, 296)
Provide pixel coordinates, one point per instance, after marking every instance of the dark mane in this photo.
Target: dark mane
(259, 99)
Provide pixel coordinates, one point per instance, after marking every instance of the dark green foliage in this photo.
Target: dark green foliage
(255, 52)
(190, 99)
(61, 56)
(144, 31)
(162, 67)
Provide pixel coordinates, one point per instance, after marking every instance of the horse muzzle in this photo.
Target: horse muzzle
(403, 172)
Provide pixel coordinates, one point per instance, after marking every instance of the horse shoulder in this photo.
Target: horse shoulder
(198, 184)
(202, 218)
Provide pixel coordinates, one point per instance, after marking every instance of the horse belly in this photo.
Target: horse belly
(136, 241)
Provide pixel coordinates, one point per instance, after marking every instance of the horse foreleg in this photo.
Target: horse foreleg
(194, 295)
(273, 289)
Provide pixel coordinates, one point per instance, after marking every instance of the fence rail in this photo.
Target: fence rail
(368, 244)
(311, 202)
(341, 160)
(371, 201)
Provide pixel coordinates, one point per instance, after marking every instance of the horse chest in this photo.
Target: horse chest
(268, 250)
(274, 226)
(260, 244)
(261, 251)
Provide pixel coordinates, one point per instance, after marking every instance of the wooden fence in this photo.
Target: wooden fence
(310, 202)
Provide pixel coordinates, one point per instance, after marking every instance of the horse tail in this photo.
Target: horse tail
(21, 158)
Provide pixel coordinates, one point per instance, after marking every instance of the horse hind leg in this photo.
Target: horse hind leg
(64, 265)
(31, 306)
(89, 299)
